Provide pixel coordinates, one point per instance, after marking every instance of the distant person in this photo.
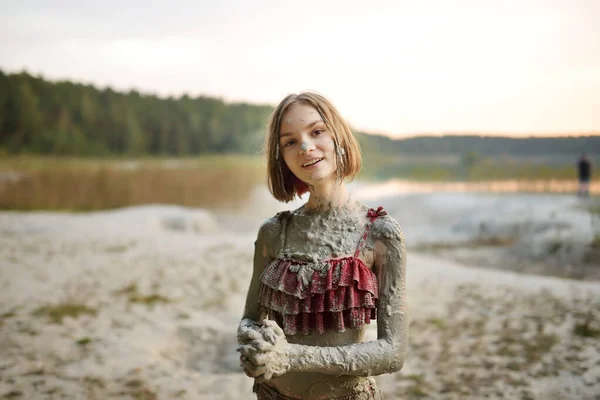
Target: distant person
(584, 172)
(322, 272)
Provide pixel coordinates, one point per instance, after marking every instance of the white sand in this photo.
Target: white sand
(474, 332)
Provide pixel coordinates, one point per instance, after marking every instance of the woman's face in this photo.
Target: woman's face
(307, 147)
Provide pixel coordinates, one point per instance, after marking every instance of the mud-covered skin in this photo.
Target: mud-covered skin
(316, 236)
(335, 363)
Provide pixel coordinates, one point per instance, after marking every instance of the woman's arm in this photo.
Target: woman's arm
(263, 254)
(384, 355)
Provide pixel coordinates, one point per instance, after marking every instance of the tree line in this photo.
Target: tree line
(487, 145)
(40, 116)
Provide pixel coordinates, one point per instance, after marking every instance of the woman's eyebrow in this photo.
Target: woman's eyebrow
(310, 125)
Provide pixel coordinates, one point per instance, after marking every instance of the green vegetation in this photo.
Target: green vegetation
(94, 382)
(56, 313)
(66, 118)
(588, 326)
(477, 242)
(13, 394)
(470, 148)
(84, 341)
(6, 315)
(136, 389)
(131, 291)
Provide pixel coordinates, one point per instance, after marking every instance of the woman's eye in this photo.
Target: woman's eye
(289, 143)
(318, 131)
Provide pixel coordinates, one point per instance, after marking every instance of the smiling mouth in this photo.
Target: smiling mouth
(313, 162)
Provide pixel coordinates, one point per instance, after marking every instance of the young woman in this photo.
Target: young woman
(323, 271)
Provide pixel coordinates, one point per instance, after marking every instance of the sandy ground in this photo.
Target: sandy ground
(143, 303)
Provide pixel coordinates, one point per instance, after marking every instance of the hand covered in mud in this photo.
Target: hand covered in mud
(264, 349)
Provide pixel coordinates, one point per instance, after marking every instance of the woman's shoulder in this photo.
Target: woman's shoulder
(271, 227)
(385, 227)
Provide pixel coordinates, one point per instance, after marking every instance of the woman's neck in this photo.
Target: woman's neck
(328, 196)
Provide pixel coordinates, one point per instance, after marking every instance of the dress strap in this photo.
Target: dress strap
(373, 214)
(284, 217)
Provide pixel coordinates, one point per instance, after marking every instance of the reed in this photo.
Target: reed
(84, 185)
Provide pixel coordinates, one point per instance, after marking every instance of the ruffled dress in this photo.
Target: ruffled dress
(313, 297)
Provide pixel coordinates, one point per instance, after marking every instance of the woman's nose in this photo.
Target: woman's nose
(306, 146)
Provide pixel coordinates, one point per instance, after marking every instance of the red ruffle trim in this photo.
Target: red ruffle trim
(344, 296)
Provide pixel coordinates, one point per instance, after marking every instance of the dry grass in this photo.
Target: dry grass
(131, 291)
(478, 242)
(81, 185)
(56, 313)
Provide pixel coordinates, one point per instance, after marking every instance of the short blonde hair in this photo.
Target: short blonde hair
(283, 184)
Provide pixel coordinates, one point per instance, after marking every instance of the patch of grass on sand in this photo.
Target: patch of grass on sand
(131, 291)
(149, 300)
(540, 345)
(416, 391)
(117, 248)
(56, 313)
(13, 394)
(138, 391)
(589, 327)
(84, 341)
(94, 381)
(6, 315)
(127, 290)
(437, 322)
(478, 242)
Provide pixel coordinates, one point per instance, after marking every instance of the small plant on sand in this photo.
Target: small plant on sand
(6, 315)
(439, 323)
(13, 394)
(94, 381)
(589, 327)
(84, 341)
(131, 291)
(149, 300)
(138, 391)
(127, 290)
(56, 313)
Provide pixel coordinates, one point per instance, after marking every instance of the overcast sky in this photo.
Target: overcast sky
(396, 67)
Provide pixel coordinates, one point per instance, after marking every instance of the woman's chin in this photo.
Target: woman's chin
(319, 179)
